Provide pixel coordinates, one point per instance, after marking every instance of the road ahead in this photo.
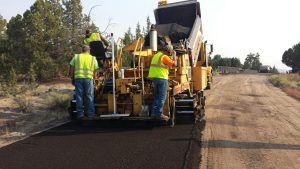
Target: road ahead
(249, 124)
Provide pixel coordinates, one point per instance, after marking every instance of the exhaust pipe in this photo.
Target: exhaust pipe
(153, 38)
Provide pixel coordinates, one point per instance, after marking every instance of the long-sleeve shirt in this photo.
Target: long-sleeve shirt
(167, 61)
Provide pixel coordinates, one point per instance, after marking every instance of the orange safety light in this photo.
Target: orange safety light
(162, 2)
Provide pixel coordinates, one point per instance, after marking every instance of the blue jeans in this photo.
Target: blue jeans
(160, 94)
(84, 87)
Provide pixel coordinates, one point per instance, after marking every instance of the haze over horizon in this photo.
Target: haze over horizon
(235, 27)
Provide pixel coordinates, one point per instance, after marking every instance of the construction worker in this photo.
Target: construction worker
(83, 67)
(159, 73)
(98, 46)
(91, 37)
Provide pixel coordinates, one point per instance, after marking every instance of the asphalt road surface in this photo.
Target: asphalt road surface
(250, 124)
(104, 147)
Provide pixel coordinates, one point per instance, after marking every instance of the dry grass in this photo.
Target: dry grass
(290, 84)
(20, 89)
(24, 104)
(6, 90)
(58, 100)
(216, 73)
(282, 81)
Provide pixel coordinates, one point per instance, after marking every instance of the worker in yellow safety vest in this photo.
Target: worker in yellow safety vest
(159, 73)
(83, 67)
(91, 37)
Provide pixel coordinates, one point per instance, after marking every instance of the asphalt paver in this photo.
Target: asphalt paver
(86, 146)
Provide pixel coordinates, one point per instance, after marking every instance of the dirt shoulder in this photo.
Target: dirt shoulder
(250, 124)
(30, 112)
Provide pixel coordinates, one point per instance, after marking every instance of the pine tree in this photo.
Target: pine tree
(148, 24)
(138, 32)
(2, 28)
(274, 70)
(46, 36)
(16, 38)
(4, 60)
(56, 31)
(32, 74)
(5, 64)
(3, 36)
(74, 22)
(128, 38)
(44, 42)
(144, 32)
(11, 78)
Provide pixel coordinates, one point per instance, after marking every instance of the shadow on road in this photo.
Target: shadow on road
(109, 126)
(248, 145)
(88, 127)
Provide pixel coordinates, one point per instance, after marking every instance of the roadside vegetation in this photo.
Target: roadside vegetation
(291, 58)
(57, 100)
(286, 80)
(289, 83)
(216, 73)
(24, 104)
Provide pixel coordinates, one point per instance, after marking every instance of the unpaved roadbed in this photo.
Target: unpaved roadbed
(250, 124)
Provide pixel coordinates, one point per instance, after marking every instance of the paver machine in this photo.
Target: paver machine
(126, 93)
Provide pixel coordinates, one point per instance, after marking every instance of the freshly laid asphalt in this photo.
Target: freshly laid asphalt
(113, 146)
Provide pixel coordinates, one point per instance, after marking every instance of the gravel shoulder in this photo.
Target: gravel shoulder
(250, 124)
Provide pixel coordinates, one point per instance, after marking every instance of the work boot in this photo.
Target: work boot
(94, 117)
(79, 117)
(164, 117)
(155, 117)
(85, 118)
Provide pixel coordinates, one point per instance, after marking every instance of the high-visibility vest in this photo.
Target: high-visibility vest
(84, 65)
(157, 68)
(92, 38)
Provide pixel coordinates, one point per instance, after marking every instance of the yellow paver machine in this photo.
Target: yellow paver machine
(126, 93)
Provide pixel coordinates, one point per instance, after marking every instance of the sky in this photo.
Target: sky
(235, 27)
